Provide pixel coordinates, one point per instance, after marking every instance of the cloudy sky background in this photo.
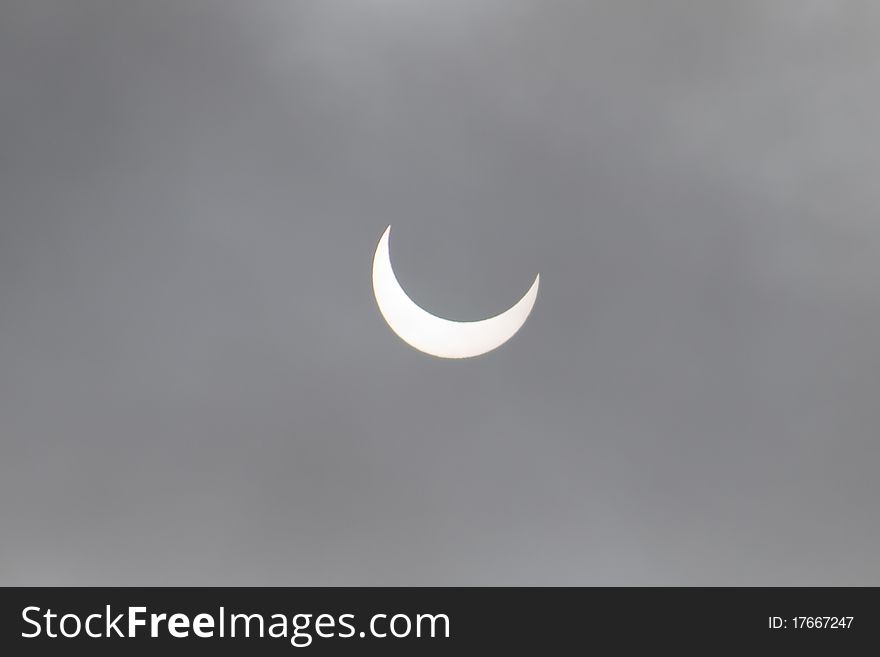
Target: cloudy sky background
(196, 386)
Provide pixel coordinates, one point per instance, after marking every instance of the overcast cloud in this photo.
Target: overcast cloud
(196, 386)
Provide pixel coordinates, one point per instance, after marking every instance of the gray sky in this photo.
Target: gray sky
(196, 386)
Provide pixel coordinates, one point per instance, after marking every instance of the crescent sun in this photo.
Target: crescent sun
(434, 335)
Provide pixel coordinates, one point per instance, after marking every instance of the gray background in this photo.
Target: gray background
(196, 386)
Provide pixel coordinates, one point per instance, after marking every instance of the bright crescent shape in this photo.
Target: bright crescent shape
(434, 335)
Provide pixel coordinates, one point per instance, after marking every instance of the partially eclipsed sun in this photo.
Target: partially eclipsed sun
(434, 335)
